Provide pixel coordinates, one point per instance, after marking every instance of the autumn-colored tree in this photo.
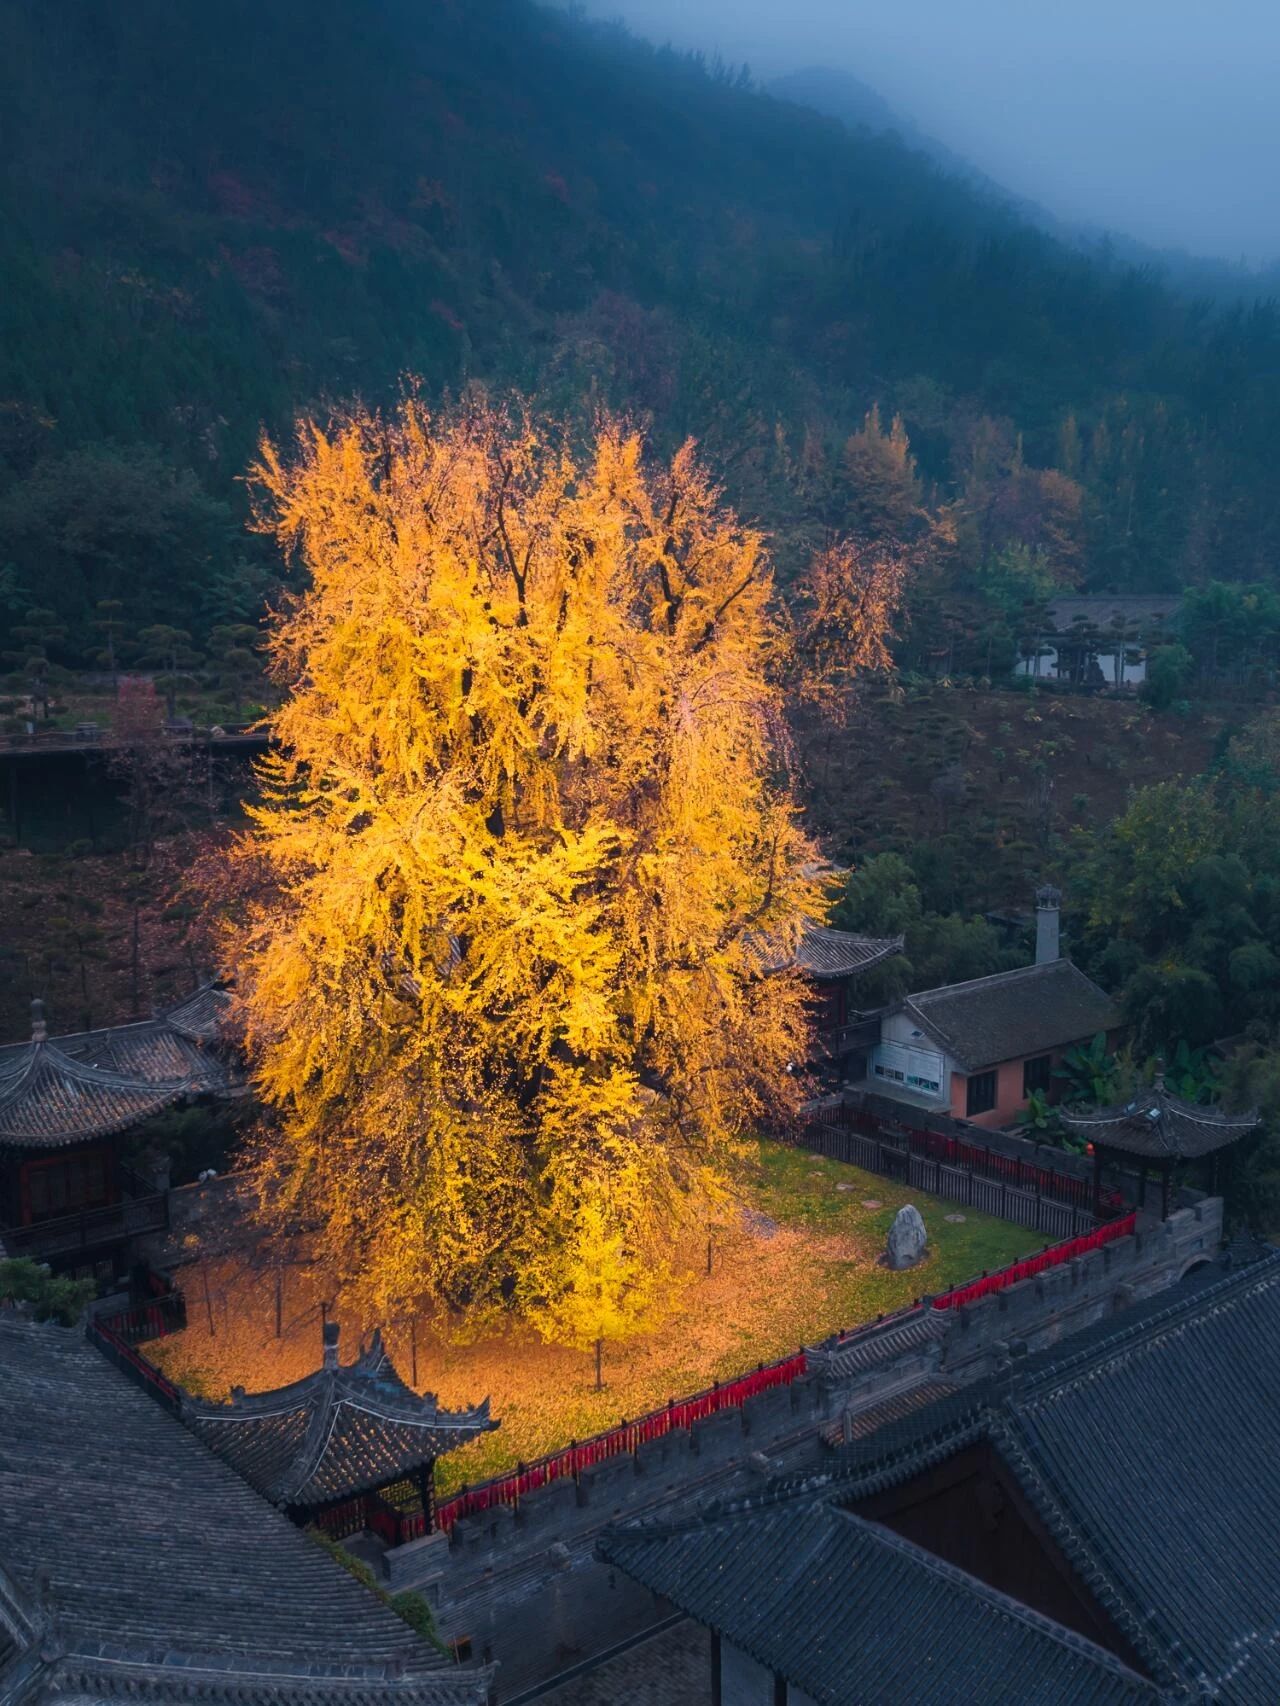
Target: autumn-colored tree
(885, 497)
(527, 853)
(845, 605)
(598, 1287)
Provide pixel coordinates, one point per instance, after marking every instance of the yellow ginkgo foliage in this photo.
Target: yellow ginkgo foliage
(526, 856)
(599, 1287)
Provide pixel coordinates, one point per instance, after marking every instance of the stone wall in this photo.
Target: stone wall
(524, 1586)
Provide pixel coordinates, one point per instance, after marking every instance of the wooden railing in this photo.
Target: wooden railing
(130, 1361)
(131, 1217)
(155, 1319)
(568, 1464)
(683, 1412)
(1030, 1266)
(86, 737)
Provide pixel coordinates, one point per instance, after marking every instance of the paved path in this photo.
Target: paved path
(670, 1669)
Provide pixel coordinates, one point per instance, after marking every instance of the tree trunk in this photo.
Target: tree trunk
(599, 1372)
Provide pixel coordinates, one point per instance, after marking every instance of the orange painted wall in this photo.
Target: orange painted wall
(1009, 1097)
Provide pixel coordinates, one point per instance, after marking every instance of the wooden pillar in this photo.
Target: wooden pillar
(1166, 1181)
(1142, 1184)
(426, 1479)
(717, 1686)
(1097, 1182)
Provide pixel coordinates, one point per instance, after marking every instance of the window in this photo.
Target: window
(917, 1069)
(1037, 1074)
(981, 1094)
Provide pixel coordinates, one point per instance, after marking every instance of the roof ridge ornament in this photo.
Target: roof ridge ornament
(39, 1030)
(330, 1335)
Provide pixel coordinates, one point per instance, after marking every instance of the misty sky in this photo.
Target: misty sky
(1160, 118)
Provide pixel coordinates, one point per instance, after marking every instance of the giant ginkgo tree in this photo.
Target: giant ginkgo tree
(528, 861)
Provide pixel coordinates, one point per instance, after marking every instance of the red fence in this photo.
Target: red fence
(166, 1314)
(130, 1361)
(682, 1412)
(1032, 1265)
(371, 1512)
(677, 1413)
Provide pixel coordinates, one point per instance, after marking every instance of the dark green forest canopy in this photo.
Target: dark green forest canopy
(214, 215)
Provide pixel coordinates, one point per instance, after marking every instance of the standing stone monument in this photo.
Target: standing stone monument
(907, 1238)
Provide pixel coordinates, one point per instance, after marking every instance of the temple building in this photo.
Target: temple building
(1156, 1134)
(834, 961)
(980, 1050)
(66, 1195)
(1099, 1522)
(349, 1448)
(137, 1567)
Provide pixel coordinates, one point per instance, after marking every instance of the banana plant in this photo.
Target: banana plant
(1088, 1071)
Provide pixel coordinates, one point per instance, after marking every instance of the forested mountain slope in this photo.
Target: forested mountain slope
(213, 215)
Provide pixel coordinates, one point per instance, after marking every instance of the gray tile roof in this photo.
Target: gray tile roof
(1012, 1014)
(343, 1429)
(1144, 611)
(203, 1016)
(823, 952)
(855, 1616)
(63, 1090)
(1149, 1446)
(159, 1574)
(1162, 1126)
(826, 953)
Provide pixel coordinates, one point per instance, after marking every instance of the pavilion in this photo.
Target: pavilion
(1157, 1132)
(66, 1102)
(348, 1448)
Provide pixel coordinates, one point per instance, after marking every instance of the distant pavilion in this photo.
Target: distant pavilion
(1154, 1133)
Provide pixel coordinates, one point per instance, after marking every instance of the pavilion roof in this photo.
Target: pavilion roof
(345, 1429)
(56, 1091)
(203, 1016)
(135, 1566)
(1105, 611)
(1160, 1126)
(826, 953)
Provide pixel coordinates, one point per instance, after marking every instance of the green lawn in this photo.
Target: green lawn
(801, 1189)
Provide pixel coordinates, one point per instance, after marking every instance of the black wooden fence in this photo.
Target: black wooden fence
(962, 1170)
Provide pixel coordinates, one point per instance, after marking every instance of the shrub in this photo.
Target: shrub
(53, 1297)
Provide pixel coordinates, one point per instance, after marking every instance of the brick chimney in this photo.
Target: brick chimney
(1048, 925)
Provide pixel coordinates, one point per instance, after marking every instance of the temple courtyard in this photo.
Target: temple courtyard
(798, 1259)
